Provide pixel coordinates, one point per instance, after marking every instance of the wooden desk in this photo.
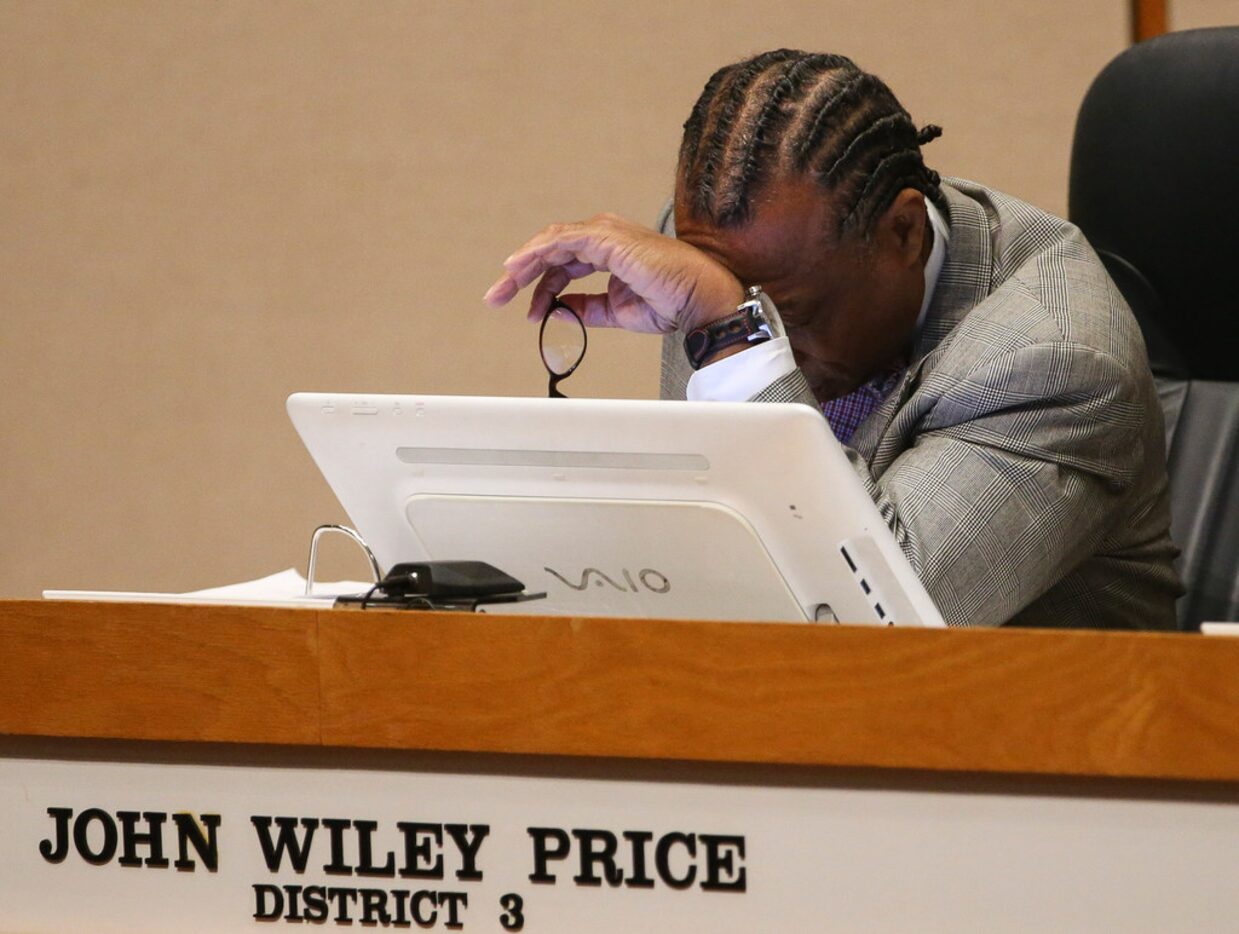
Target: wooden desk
(1013, 701)
(877, 779)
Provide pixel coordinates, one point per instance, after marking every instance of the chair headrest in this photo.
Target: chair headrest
(1155, 187)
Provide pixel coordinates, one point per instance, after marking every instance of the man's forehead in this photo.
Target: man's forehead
(789, 218)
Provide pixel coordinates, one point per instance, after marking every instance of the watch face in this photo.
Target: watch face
(770, 314)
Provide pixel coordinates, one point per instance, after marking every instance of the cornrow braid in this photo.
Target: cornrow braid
(826, 113)
(792, 111)
(695, 121)
(732, 95)
(927, 134)
(893, 173)
(769, 120)
(884, 130)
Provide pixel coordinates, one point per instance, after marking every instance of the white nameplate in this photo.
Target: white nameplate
(416, 845)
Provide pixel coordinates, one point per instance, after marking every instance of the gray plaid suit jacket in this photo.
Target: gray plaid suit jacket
(1020, 461)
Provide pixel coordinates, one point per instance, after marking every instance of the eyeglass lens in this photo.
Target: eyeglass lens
(561, 342)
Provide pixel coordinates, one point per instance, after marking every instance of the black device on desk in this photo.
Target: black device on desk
(443, 585)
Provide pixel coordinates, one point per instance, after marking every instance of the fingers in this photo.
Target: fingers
(553, 281)
(502, 292)
(593, 310)
(560, 245)
(511, 282)
(652, 277)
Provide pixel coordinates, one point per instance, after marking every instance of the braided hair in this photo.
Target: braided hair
(805, 113)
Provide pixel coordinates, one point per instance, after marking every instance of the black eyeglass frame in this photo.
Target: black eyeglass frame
(557, 378)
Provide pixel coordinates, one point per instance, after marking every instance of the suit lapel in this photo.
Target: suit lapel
(967, 274)
(964, 282)
(870, 437)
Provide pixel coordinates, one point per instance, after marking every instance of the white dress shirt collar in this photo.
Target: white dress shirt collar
(937, 256)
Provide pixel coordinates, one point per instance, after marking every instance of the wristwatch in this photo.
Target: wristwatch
(754, 322)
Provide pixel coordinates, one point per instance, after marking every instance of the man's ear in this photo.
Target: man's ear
(903, 229)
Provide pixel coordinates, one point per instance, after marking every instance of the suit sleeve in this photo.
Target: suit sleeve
(1016, 473)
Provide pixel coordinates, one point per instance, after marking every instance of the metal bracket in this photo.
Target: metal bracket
(349, 533)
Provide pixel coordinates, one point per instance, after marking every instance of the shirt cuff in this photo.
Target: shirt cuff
(743, 375)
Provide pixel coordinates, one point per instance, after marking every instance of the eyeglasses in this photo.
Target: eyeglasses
(561, 342)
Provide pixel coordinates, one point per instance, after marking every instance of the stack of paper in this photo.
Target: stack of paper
(285, 588)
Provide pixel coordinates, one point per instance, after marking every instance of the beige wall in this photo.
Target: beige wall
(205, 206)
(1197, 14)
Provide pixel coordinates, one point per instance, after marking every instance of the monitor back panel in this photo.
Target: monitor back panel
(620, 507)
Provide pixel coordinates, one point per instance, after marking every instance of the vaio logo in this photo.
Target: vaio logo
(650, 580)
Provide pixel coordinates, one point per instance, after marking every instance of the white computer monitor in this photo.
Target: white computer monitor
(657, 509)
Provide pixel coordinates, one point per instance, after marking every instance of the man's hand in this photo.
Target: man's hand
(658, 284)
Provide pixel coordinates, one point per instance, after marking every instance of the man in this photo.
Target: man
(989, 383)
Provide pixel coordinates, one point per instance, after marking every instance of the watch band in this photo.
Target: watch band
(749, 325)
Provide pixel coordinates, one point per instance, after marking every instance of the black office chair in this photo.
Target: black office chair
(1155, 187)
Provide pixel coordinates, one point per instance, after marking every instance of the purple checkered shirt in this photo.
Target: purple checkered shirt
(846, 413)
